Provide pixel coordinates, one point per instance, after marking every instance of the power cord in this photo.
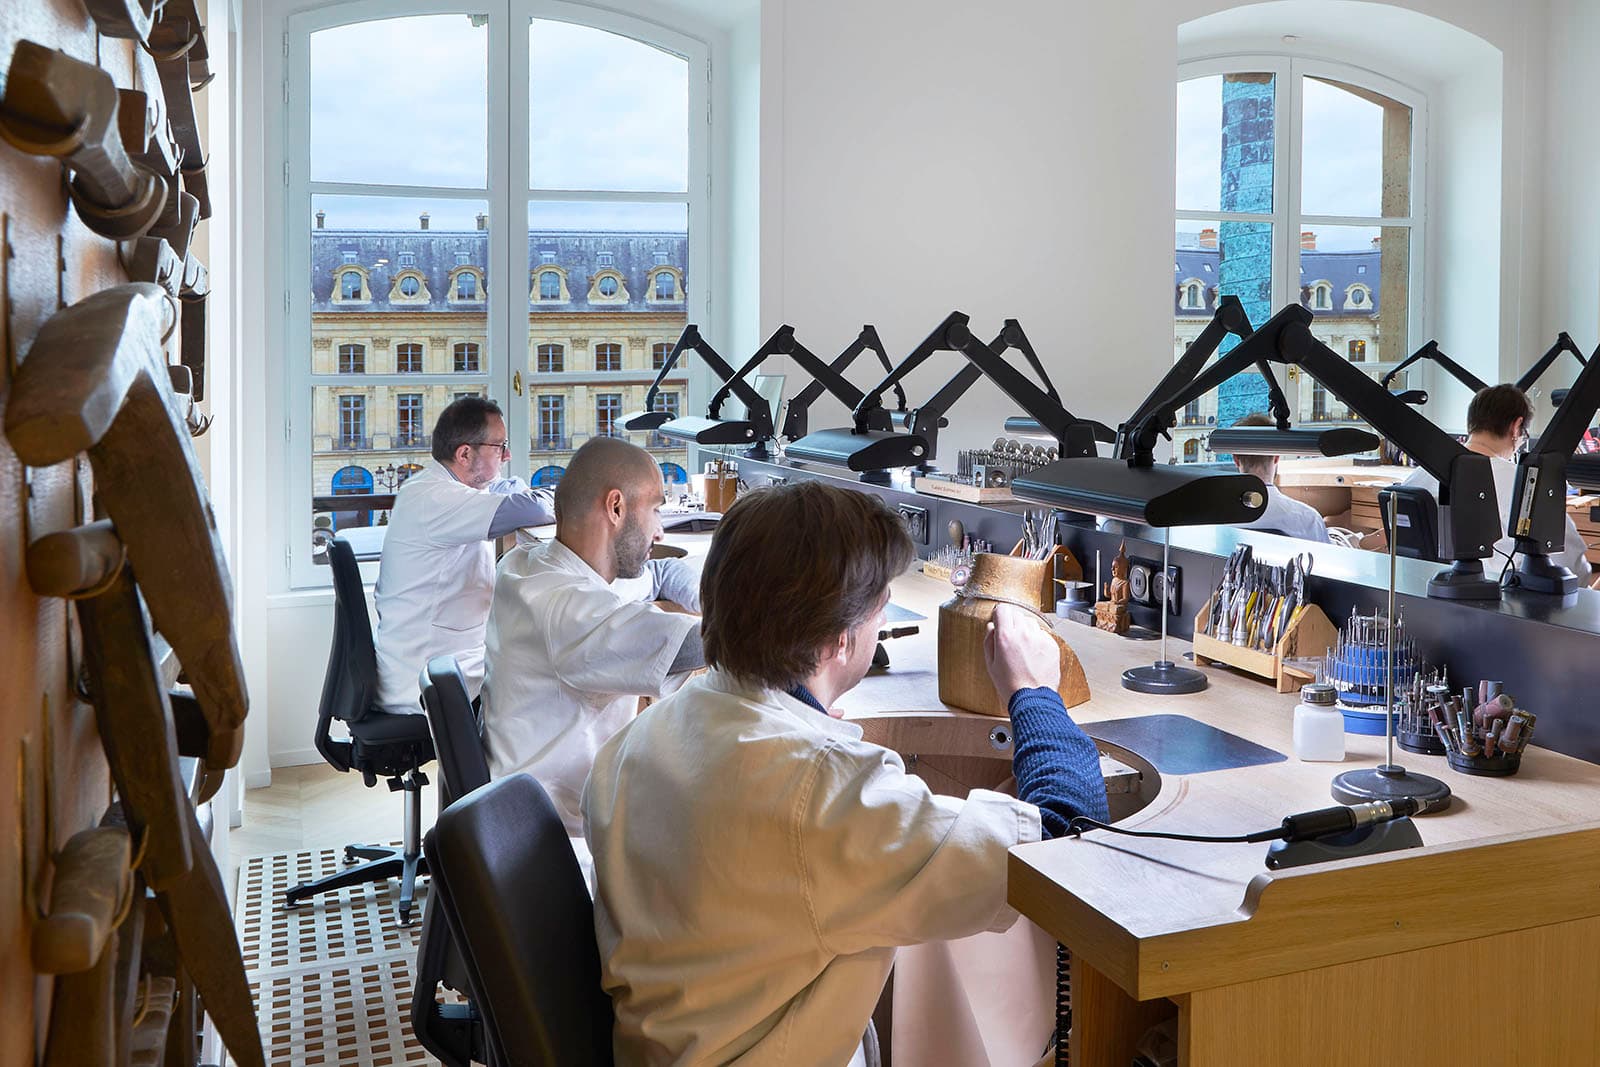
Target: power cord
(1081, 823)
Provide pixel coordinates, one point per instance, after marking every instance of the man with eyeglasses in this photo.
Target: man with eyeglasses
(436, 575)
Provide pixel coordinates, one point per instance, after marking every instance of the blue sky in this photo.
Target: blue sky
(1341, 162)
(405, 101)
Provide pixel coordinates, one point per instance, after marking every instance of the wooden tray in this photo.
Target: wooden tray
(1308, 635)
(970, 494)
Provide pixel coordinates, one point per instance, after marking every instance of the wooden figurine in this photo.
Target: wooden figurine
(963, 622)
(1111, 614)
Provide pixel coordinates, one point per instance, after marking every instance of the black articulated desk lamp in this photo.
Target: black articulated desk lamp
(1539, 493)
(1469, 516)
(825, 378)
(870, 450)
(754, 430)
(1432, 354)
(1131, 487)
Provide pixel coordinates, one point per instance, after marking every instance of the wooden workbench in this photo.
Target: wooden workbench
(1483, 947)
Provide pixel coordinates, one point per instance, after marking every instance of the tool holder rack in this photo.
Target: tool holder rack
(1308, 634)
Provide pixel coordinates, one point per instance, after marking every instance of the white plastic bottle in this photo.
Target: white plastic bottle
(1318, 725)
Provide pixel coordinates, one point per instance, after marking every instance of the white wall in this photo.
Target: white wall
(1571, 260)
(1017, 164)
(1020, 164)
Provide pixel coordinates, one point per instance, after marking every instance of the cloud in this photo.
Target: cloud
(404, 101)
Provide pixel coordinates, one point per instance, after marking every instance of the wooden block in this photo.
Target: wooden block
(963, 621)
(92, 881)
(971, 494)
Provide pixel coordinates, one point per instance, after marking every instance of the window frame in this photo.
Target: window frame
(1286, 217)
(509, 193)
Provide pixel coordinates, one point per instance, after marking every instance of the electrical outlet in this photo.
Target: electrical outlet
(1148, 588)
(916, 520)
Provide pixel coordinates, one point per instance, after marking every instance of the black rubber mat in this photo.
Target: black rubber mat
(1177, 744)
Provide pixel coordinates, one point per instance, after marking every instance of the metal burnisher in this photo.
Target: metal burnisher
(1164, 676)
(1389, 780)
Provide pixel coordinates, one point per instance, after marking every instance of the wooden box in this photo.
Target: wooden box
(1310, 633)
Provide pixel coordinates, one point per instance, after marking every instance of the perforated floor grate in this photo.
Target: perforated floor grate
(331, 977)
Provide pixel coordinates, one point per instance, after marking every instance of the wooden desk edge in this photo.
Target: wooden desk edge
(1324, 915)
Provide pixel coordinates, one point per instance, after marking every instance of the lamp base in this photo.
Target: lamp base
(1463, 581)
(1540, 574)
(1389, 782)
(1165, 678)
(874, 477)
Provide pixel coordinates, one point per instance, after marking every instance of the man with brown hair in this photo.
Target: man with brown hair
(1497, 422)
(756, 862)
(1284, 514)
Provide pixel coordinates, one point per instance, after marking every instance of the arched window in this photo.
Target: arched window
(540, 167)
(1357, 351)
(547, 475)
(1349, 205)
(1194, 298)
(674, 474)
(1191, 451)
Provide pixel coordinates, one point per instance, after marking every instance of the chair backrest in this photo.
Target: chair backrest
(457, 739)
(1417, 516)
(506, 878)
(352, 674)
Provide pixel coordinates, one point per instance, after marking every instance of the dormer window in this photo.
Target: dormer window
(461, 259)
(466, 283)
(1359, 296)
(349, 255)
(547, 255)
(1192, 295)
(410, 286)
(550, 285)
(408, 259)
(1322, 297)
(608, 286)
(350, 285)
(605, 259)
(665, 285)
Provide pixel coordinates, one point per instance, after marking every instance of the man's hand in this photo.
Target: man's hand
(1019, 653)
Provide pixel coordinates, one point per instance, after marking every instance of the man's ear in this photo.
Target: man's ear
(463, 454)
(616, 504)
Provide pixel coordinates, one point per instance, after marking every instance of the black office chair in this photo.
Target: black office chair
(1418, 518)
(382, 744)
(508, 883)
(451, 1032)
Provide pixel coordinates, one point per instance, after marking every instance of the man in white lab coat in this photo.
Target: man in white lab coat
(756, 862)
(1497, 420)
(1284, 514)
(436, 575)
(575, 638)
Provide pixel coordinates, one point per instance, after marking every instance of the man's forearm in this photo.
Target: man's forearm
(691, 654)
(1056, 764)
(531, 507)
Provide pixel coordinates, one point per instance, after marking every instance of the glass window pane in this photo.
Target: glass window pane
(592, 354)
(1356, 281)
(1212, 259)
(414, 322)
(1355, 152)
(401, 101)
(1226, 126)
(605, 111)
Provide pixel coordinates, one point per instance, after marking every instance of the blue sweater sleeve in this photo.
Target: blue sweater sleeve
(1056, 764)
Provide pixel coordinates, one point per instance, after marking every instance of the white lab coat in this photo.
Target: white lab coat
(1289, 516)
(1505, 481)
(757, 864)
(435, 579)
(569, 656)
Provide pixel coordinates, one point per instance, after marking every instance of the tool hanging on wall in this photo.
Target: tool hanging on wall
(61, 107)
(96, 380)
